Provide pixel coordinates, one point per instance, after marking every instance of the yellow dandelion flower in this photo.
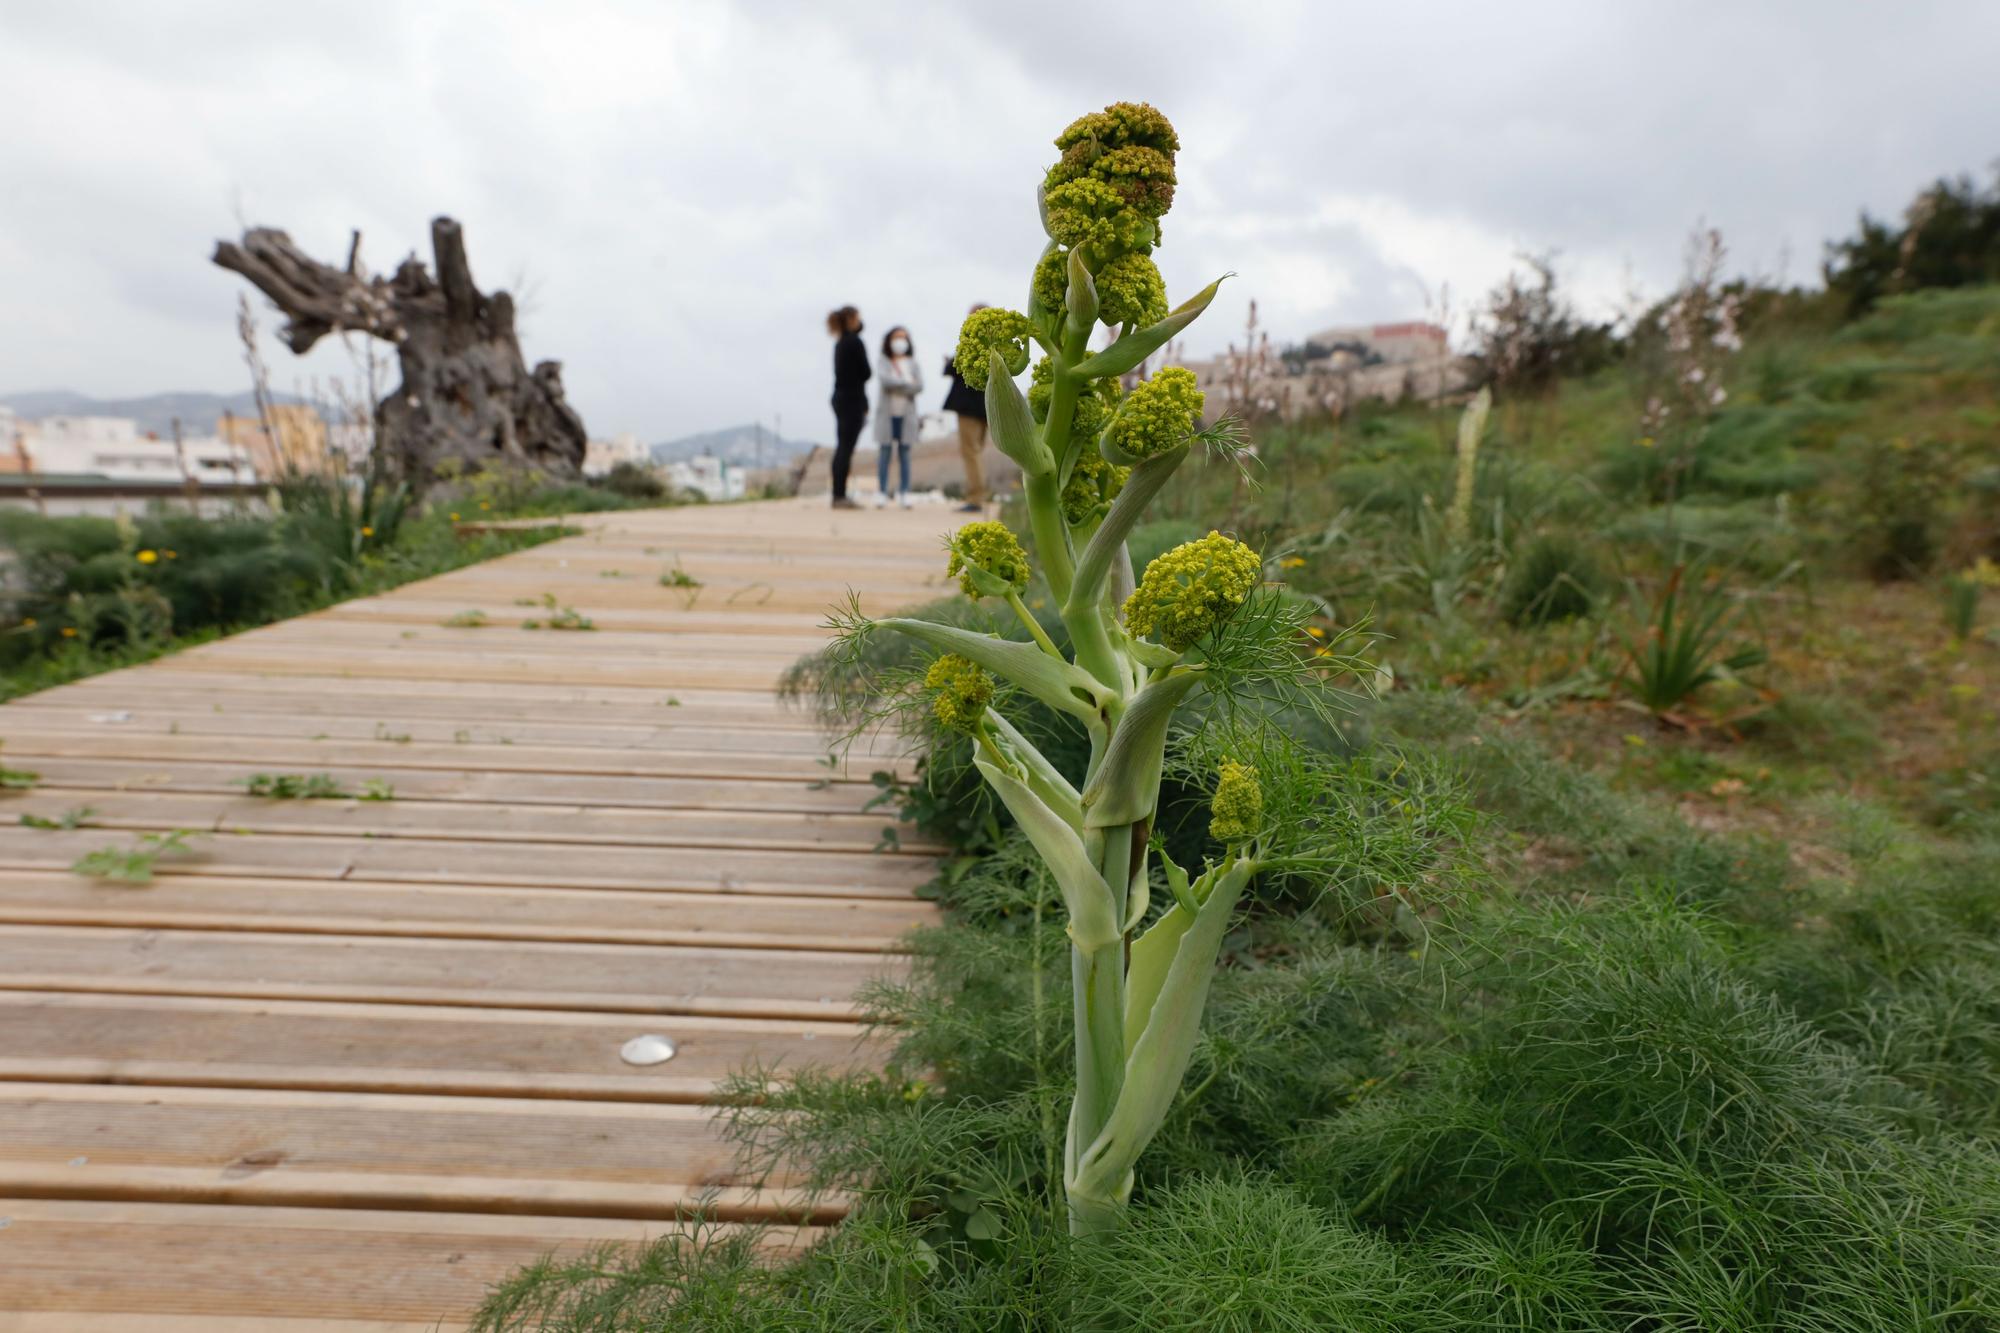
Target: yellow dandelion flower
(367, 531)
(148, 557)
(1316, 631)
(69, 631)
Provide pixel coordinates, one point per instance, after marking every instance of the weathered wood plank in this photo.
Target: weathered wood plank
(472, 786)
(84, 1267)
(391, 752)
(446, 911)
(515, 974)
(52, 1037)
(404, 818)
(482, 861)
(371, 1150)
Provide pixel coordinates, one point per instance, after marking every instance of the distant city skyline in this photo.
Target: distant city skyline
(676, 195)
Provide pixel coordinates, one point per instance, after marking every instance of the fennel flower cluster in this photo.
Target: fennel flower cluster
(1131, 291)
(1093, 484)
(985, 332)
(1191, 589)
(1157, 415)
(960, 691)
(988, 560)
(1237, 808)
(1105, 196)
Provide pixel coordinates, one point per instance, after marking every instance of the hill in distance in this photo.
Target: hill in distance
(198, 412)
(744, 445)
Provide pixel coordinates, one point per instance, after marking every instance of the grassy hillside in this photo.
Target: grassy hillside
(1835, 503)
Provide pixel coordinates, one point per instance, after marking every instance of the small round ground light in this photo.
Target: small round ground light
(651, 1049)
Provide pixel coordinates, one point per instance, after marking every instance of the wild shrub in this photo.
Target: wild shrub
(1895, 497)
(1556, 578)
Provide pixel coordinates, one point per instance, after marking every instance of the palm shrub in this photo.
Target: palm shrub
(1682, 647)
(1196, 621)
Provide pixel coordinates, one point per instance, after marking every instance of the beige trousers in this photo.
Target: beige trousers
(972, 443)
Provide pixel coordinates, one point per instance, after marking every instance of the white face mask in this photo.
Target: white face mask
(901, 347)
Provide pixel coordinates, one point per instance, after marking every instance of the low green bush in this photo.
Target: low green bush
(1556, 578)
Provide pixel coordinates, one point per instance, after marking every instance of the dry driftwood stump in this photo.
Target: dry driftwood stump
(467, 397)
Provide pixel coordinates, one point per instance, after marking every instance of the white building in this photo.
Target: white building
(600, 456)
(708, 475)
(113, 447)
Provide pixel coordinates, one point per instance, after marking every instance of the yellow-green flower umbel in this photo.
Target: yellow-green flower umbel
(988, 560)
(1191, 589)
(1130, 291)
(960, 691)
(1093, 484)
(985, 332)
(1156, 416)
(1236, 812)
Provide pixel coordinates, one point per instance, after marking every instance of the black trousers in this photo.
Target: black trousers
(847, 420)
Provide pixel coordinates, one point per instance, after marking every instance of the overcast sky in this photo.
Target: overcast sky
(678, 192)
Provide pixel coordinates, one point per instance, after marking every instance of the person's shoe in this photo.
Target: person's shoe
(844, 503)
(907, 502)
(881, 500)
(971, 508)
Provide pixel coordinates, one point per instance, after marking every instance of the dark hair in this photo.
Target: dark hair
(841, 320)
(890, 337)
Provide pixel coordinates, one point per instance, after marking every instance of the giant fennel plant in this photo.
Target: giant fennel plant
(1093, 458)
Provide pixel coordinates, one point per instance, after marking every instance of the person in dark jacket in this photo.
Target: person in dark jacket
(970, 405)
(850, 395)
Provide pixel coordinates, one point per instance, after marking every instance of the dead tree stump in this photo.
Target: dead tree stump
(467, 398)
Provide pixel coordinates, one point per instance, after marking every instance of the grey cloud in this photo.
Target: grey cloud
(688, 188)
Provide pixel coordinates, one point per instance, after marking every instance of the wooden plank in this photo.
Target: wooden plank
(763, 650)
(616, 978)
(365, 1150)
(469, 861)
(169, 682)
(390, 753)
(198, 902)
(672, 615)
(797, 740)
(488, 821)
(496, 667)
(54, 1037)
(506, 787)
(218, 1269)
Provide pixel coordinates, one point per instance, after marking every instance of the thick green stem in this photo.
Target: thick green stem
(1034, 625)
(1090, 633)
(1099, 979)
(1045, 523)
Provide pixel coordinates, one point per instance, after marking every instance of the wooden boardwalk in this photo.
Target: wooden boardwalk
(346, 1062)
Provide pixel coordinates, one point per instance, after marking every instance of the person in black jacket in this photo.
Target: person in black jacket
(970, 405)
(850, 395)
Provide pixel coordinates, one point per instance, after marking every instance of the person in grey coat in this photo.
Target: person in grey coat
(899, 383)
